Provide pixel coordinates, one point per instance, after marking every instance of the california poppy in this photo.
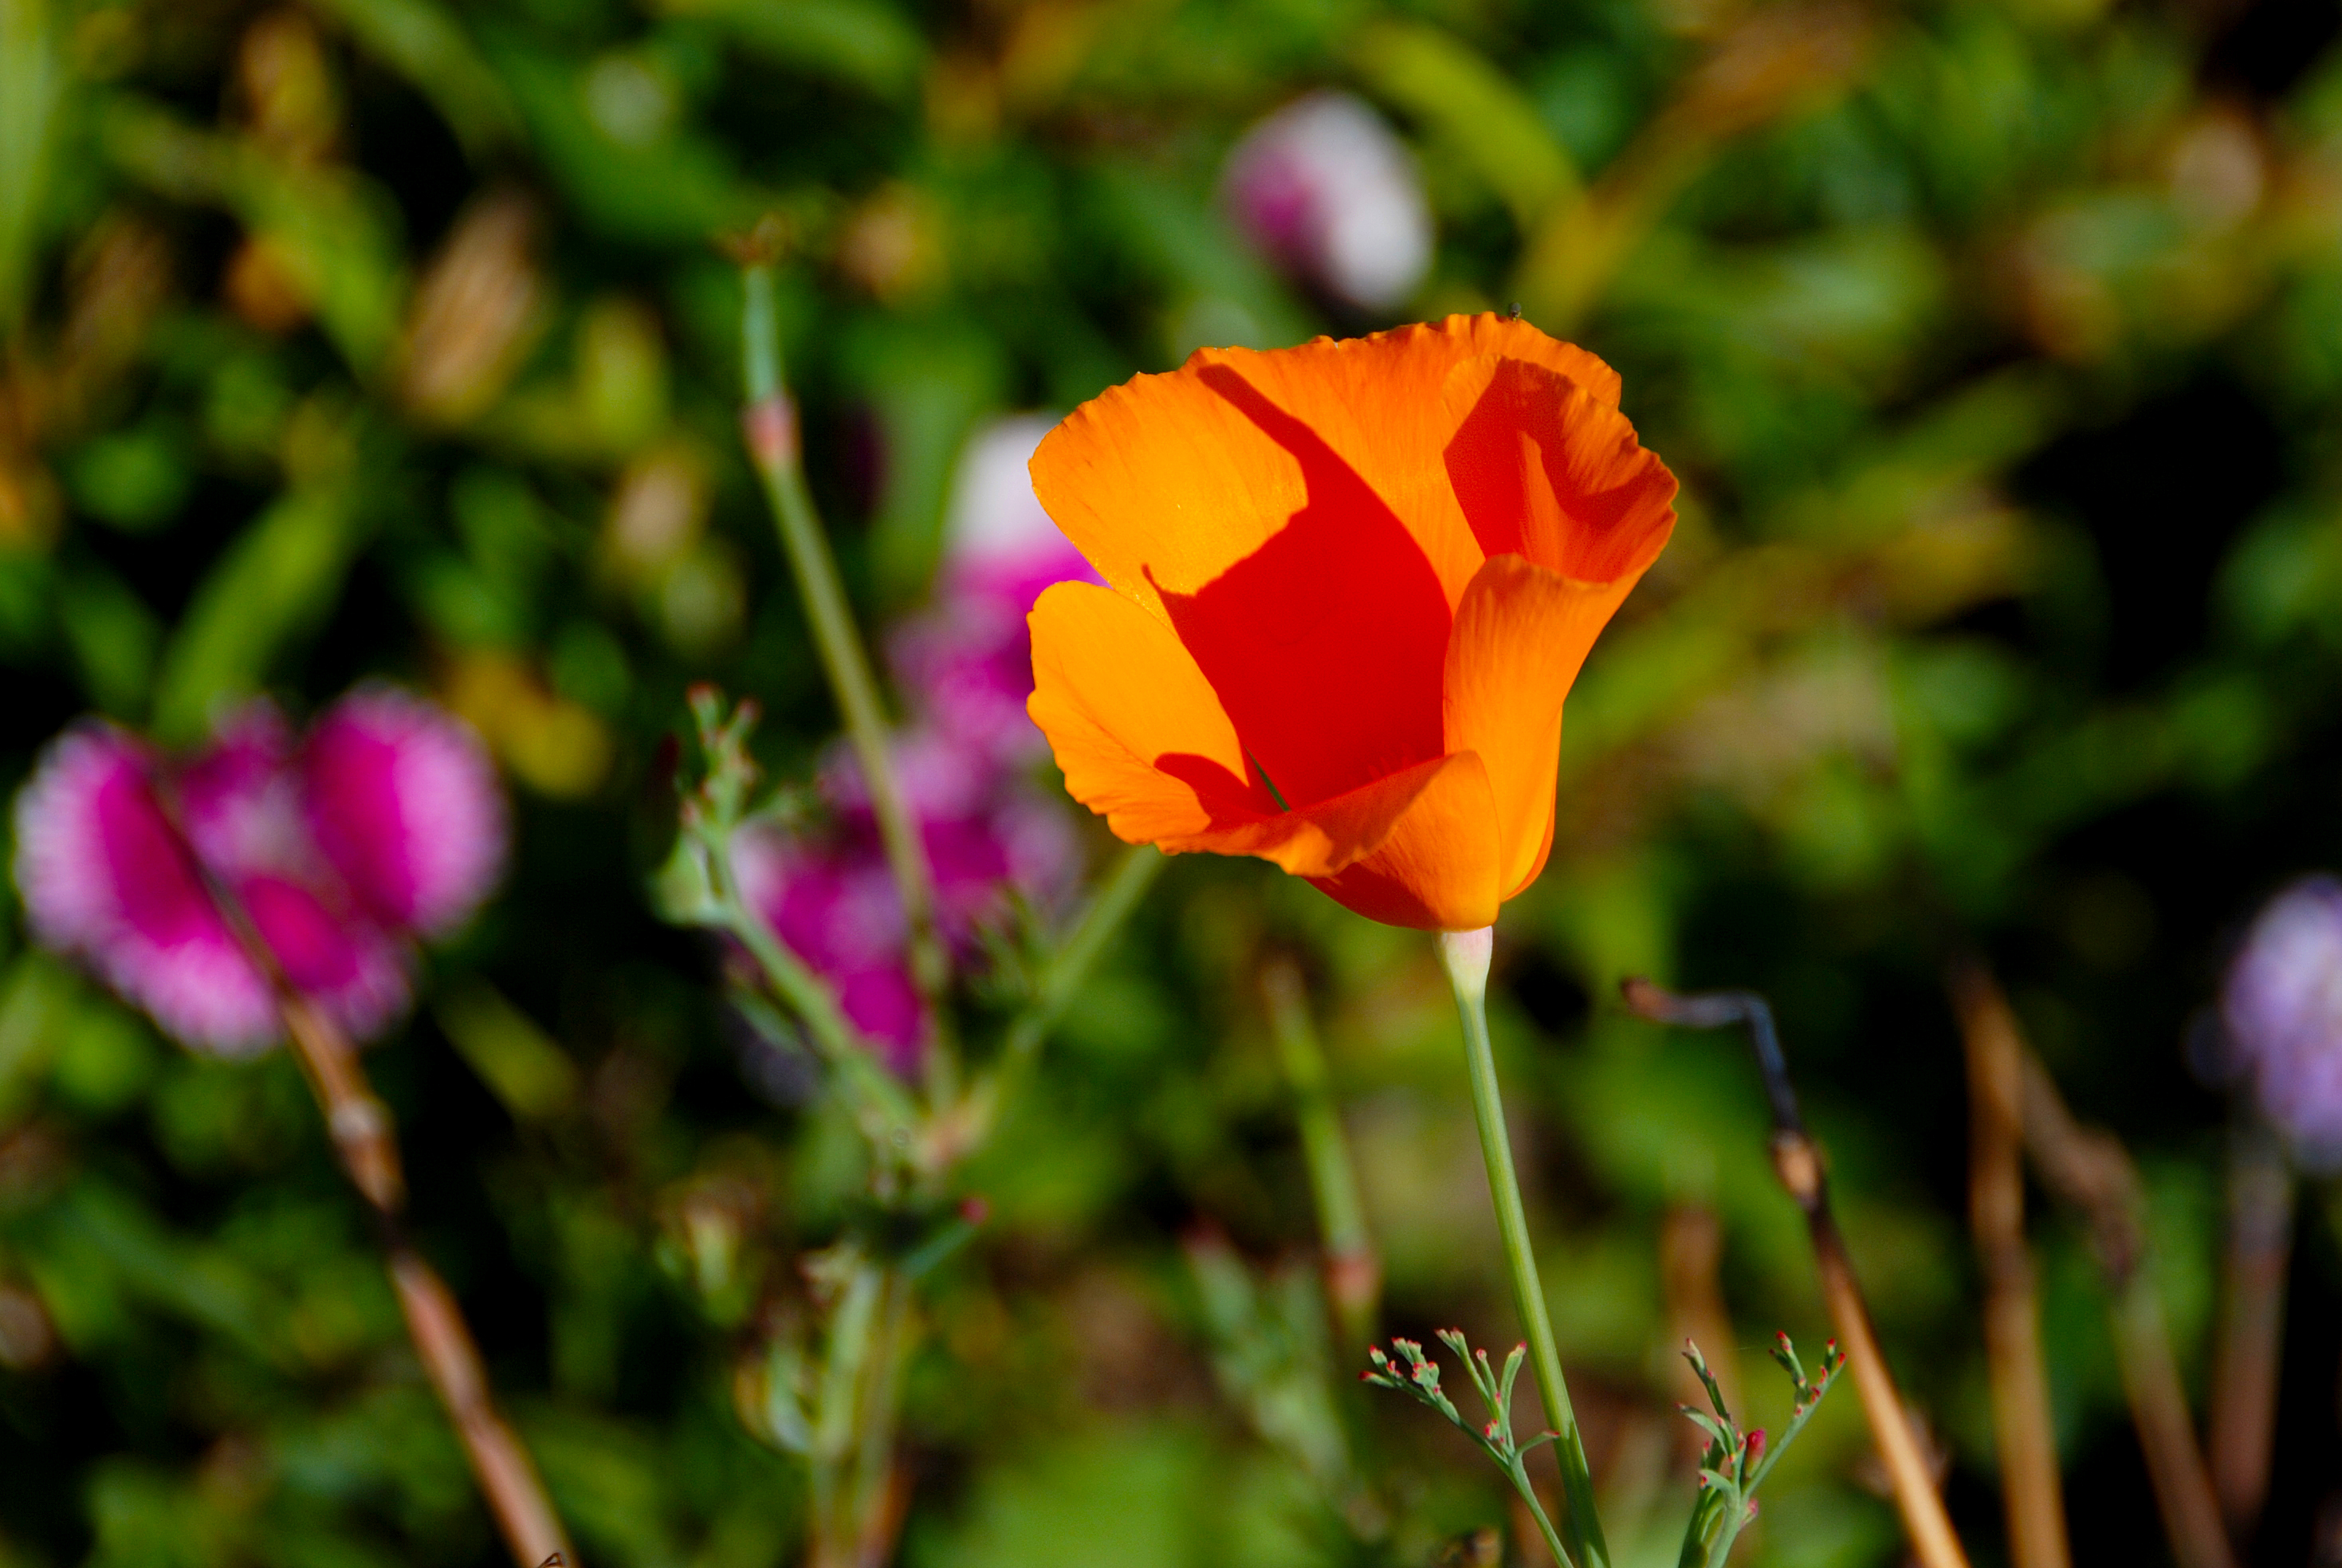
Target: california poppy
(1349, 587)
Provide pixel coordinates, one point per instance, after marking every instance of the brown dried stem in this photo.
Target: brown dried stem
(360, 1125)
(1798, 1162)
(2030, 1495)
(2241, 1428)
(2091, 1170)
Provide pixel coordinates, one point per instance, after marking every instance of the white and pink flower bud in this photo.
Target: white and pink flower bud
(1326, 190)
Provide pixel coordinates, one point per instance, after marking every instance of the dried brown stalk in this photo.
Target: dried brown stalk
(2030, 1495)
(2242, 1426)
(361, 1128)
(2091, 1170)
(1798, 1162)
(360, 1125)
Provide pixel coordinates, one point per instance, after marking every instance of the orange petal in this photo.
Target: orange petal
(1141, 737)
(1165, 481)
(1521, 633)
(1438, 868)
(1327, 838)
(1543, 468)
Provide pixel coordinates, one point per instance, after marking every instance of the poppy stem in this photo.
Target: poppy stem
(768, 423)
(1464, 955)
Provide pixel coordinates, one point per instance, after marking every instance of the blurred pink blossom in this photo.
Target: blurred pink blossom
(968, 658)
(384, 825)
(2282, 1009)
(1325, 188)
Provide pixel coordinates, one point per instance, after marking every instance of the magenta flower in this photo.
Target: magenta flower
(1325, 189)
(827, 892)
(2282, 1006)
(968, 660)
(385, 825)
(404, 802)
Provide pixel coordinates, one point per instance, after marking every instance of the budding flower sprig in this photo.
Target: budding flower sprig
(1413, 1374)
(1734, 1463)
(700, 885)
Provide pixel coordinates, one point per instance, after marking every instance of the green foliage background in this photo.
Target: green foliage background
(1998, 343)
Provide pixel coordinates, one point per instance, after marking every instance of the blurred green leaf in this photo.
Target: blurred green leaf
(930, 381)
(114, 637)
(425, 43)
(335, 232)
(867, 42)
(1477, 110)
(279, 578)
(32, 87)
(518, 1061)
(673, 188)
(135, 479)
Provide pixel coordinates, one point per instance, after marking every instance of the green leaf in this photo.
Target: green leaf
(518, 1061)
(32, 86)
(423, 42)
(337, 233)
(866, 42)
(1477, 113)
(280, 577)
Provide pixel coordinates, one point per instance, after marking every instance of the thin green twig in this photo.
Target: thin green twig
(769, 424)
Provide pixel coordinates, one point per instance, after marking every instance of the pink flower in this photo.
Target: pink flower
(1331, 195)
(968, 660)
(104, 876)
(829, 896)
(403, 800)
(387, 824)
(2282, 1006)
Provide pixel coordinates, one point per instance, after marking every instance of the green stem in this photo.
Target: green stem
(1519, 1472)
(1325, 1151)
(769, 423)
(880, 1411)
(1108, 907)
(1466, 954)
(888, 1109)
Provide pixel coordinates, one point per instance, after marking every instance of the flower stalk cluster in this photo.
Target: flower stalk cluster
(1410, 1372)
(1734, 1463)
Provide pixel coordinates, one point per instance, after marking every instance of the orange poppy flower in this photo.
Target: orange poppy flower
(1351, 584)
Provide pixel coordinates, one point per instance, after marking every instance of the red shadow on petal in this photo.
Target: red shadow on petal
(1544, 471)
(1326, 643)
(1229, 799)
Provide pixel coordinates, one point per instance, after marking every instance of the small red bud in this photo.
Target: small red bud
(1755, 1444)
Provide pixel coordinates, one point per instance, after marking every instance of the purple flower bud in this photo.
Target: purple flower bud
(968, 660)
(2282, 1006)
(1325, 189)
